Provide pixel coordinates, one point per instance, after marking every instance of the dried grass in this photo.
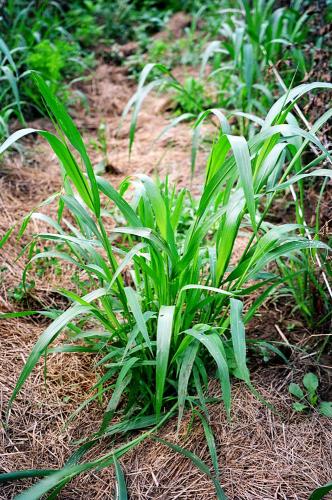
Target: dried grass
(262, 455)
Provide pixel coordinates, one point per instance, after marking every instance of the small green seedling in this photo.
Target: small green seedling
(309, 397)
(20, 292)
(192, 98)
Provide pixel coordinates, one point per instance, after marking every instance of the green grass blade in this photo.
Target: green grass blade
(224, 125)
(27, 218)
(184, 376)
(238, 339)
(136, 310)
(157, 203)
(23, 474)
(5, 49)
(248, 67)
(70, 166)
(64, 475)
(9, 75)
(145, 233)
(49, 335)
(120, 202)
(228, 233)
(210, 441)
(292, 96)
(209, 51)
(164, 338)
(19, 314)
(242, 157)
(121, 493)
(43, 342)
(198, 463)
(6, 237)
(140, 95)
(70, 130)
(16, 136)
(122, 381)
(207, 288)
(321, 172)
(174, 123)
(130, 255)
(321, 492)
(178, 209)
(213, 344)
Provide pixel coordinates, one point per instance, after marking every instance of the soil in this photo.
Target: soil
(263, 454)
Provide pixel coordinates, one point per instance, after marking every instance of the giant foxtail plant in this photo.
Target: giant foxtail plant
(165, 299)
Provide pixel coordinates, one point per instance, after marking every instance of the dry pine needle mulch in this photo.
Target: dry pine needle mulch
(262, 455)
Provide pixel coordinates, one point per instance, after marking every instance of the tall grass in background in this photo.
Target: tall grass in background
(53, 38)
(251, 38)
(164, 307)
(236, 77)
(234, 70)
(9, 87)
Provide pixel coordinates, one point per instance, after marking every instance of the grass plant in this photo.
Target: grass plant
(164, 305)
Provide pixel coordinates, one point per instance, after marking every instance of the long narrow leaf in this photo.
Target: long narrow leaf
(120, 481)
(138, 315)
(199, 464)
(164, 337)
(213, 344)
(238, 339)
(242, 157)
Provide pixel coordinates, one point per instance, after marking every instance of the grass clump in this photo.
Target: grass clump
(164, 308)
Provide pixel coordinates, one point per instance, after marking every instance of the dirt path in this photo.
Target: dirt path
(261, 455)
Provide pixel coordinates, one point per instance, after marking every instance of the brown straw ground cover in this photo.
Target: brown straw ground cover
(261, 454)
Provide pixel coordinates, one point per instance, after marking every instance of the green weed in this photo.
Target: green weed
(21, 291)
(50, 60)
(193, 99)
(167, 307)
(308, 398)
(321, 491)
